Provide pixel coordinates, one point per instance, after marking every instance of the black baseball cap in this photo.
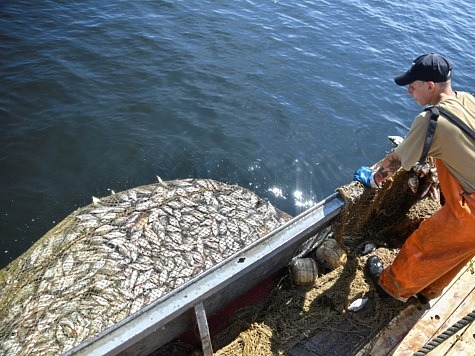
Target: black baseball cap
(430, 67)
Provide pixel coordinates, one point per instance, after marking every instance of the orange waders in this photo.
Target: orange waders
(442, 245)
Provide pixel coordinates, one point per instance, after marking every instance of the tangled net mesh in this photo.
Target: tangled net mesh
(292, 314)
(109, 259)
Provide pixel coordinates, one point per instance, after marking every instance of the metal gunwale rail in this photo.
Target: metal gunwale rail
(171, 315)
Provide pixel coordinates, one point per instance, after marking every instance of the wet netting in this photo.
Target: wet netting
(109, 259)
(321, 319)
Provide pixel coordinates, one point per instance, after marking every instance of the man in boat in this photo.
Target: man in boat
(444, 243)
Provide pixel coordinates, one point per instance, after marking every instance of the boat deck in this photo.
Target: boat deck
(442, 327)
(417, 327)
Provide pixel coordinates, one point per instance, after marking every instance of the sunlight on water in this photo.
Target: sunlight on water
(301, 201)
(278, 193)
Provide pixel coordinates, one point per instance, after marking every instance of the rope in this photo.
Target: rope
(459, 325)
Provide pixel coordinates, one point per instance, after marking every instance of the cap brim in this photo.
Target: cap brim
(404, 79)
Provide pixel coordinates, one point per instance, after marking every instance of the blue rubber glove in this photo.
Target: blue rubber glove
(365, 175)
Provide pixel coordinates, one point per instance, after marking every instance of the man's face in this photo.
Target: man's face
(420, 91)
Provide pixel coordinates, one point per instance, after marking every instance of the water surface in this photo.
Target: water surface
(286, 99)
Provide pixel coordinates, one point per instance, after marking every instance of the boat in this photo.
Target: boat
(200, 303)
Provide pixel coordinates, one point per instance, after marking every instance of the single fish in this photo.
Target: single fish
(396, 140)
(358, 304)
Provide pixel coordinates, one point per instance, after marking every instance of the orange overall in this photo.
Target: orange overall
(442, 245)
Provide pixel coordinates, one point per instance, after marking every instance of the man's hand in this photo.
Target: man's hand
(374, 177)
(365, 175)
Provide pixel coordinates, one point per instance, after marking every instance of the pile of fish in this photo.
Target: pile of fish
(111, 258)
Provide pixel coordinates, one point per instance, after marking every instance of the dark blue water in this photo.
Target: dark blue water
(284, 98)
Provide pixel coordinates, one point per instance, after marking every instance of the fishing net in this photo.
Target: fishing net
(299, 320)
(109, 259)
(390, 214)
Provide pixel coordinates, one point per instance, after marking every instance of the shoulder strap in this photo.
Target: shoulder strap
(430, 132)
(435, 112)
(459, 123)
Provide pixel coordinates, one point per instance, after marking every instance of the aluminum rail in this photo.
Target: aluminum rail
(174, 313)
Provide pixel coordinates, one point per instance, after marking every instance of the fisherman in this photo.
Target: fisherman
(444, 243)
